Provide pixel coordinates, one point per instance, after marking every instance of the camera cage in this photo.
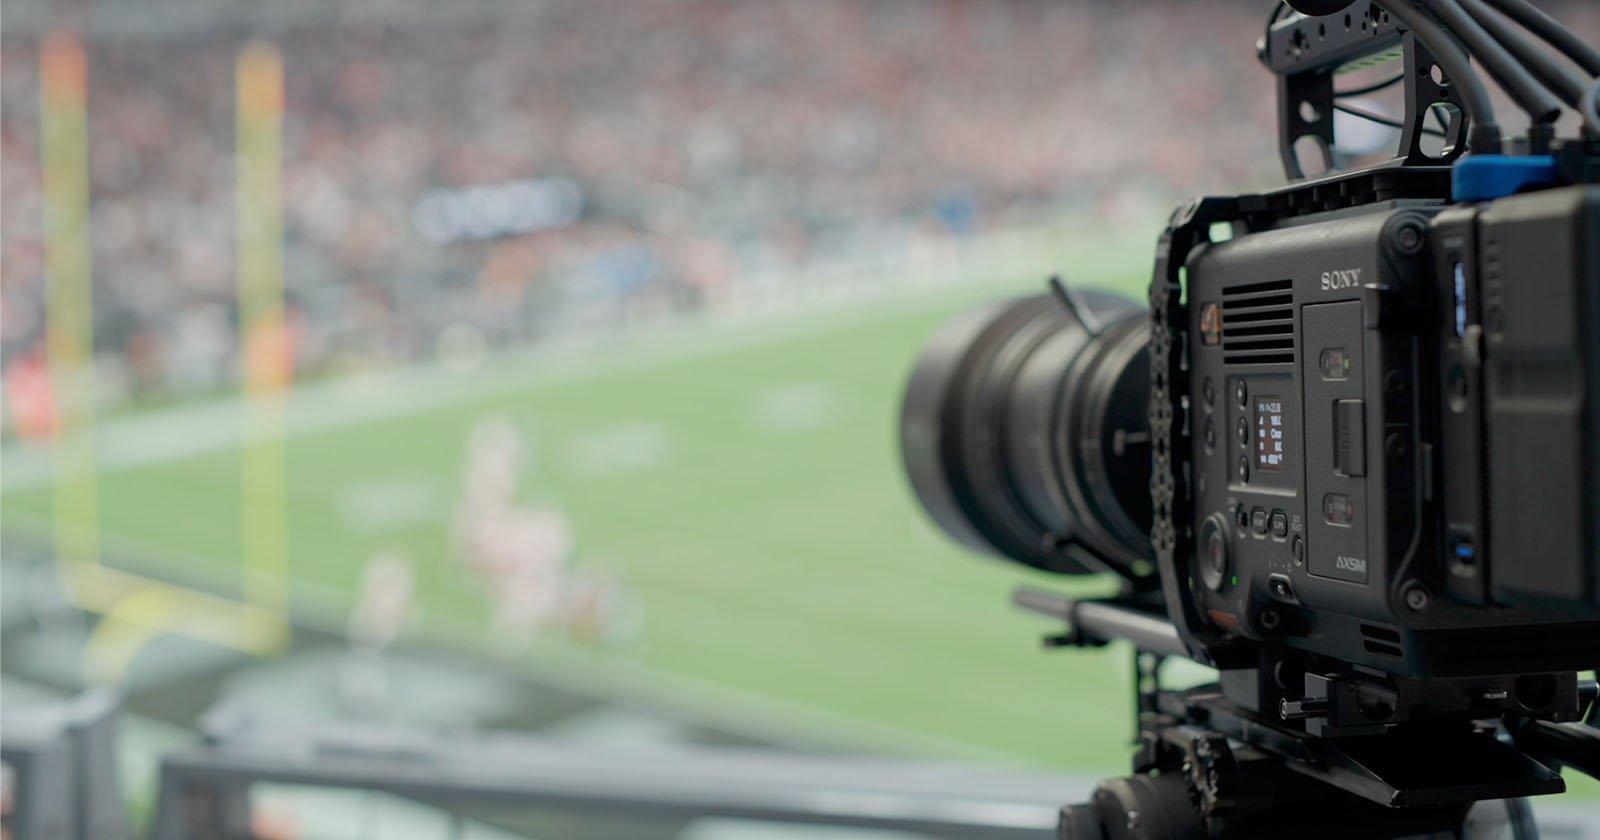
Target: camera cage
(1306, 53)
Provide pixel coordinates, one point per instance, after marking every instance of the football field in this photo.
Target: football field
(741, 481)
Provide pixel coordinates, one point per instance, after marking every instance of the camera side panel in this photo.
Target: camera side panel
(1539, 263)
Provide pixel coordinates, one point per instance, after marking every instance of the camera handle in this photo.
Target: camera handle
(1207, 766)
(1306, 52)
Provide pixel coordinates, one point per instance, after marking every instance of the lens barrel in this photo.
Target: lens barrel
(1025, 435)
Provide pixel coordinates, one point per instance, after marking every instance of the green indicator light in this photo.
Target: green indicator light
(1235, 580)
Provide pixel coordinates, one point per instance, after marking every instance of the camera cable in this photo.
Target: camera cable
(1565, 83)
(1553, 32)
(1591, 108)
(1541, 105)
(1380, 119)
(1458, 69)
(1372, 88)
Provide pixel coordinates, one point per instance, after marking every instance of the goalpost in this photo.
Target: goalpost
(136, 609)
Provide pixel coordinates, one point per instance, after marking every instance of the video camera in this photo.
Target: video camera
(1348, 455)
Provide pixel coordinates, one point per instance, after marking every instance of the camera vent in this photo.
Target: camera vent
(1258, 323)
(1381, 641)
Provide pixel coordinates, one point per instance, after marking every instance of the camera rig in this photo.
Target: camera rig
(1293, 743)
(1345, 456)
(1218, 760)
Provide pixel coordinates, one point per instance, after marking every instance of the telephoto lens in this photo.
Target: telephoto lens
(1025, 434)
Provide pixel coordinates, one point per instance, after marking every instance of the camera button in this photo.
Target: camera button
(1258, 521)
(1213, 553)
(1280, 524)
(1241, 394)
(1337, 509)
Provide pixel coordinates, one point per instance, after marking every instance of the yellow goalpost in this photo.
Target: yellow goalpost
(136, 609)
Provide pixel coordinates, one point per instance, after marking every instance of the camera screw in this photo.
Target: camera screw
(1408, 239)
(1304, 709)
(1417, 597)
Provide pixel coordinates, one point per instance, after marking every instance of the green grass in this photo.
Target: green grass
(790, 564)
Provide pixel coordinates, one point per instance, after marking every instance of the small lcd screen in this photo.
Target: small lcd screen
(1270, 440)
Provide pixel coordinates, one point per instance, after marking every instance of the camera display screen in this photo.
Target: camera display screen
(1269, 433)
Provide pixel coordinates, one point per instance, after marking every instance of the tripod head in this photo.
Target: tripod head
(1234, 758)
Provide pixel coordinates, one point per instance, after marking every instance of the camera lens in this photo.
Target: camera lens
(1025, 434)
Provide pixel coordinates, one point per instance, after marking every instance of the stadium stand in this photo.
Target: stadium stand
(695, 145)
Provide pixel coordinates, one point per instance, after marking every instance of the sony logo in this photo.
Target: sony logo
(1341, 279)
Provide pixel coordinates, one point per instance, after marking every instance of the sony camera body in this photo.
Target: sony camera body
(1394, 412)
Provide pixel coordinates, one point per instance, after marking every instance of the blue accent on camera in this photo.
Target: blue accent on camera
(1486, 177)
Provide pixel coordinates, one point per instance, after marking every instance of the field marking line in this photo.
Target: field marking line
(122, 632)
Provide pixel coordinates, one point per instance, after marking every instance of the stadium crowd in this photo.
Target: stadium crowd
(708, 139)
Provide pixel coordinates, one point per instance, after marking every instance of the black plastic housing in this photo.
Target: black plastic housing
(1539, 272)
(1396, 433)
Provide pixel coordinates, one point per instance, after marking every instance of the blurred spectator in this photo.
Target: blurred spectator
(709, 139)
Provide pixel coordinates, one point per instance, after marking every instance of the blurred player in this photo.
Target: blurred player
(522, 554)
